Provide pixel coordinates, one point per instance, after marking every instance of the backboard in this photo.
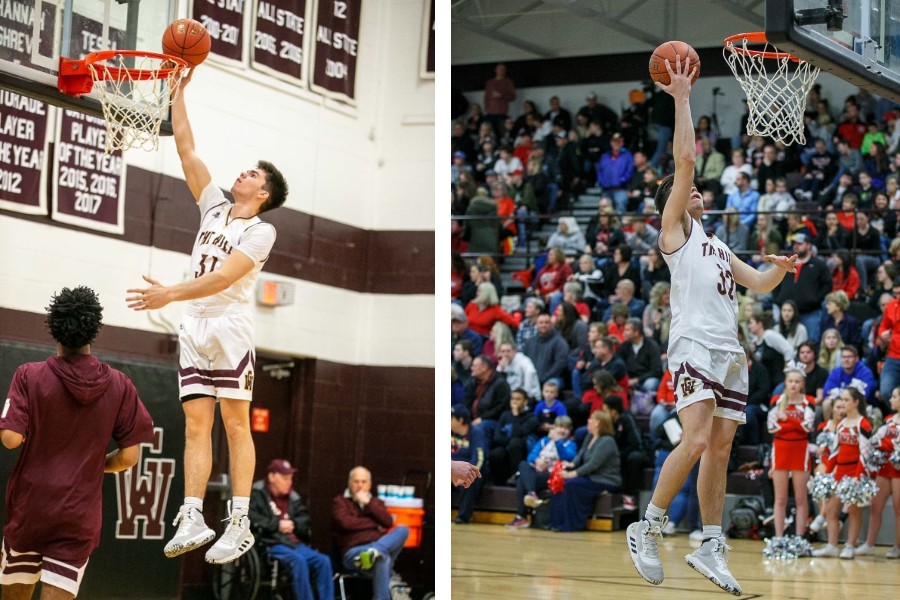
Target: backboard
(856, 40)
(35, 33)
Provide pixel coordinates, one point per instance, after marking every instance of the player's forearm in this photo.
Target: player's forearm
(684, 147)
(768, 280)
(181, 127)
(121, 459)
(201, 287)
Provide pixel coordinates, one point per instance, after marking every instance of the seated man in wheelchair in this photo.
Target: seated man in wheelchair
(364, 533)
(279, 521)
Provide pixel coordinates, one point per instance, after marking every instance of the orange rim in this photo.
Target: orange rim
(735, 43)
(134, 74)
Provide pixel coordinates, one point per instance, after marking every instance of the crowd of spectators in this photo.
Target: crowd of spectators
(592, 315)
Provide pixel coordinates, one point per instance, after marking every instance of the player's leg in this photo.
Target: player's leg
(854, 526)
(875, 513)
(801, 500)
(832, 512)
(236, 539)
(780, 481)
(51, 592)
(192, 531)
(17, 591)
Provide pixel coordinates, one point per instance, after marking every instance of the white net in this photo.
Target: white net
(135, 102)
(776, 99)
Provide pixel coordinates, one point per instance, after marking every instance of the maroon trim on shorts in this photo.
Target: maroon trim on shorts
(31, 569)
(220, 372)
(61, 570)
(724, 397)
(222, 383)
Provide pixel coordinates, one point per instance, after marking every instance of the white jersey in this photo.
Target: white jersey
(218, 237)
(703, 295)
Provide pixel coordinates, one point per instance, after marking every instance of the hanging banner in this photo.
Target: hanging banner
(279, 33)
(89, 185)
(335, 49)
(426, 61)
(23, 153)
(224, 20)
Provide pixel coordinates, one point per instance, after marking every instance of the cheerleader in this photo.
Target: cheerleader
(886, 439)
(853, 434)
(823, 451)
(790, 421)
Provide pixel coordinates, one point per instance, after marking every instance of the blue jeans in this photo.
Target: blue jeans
(890, 378)
(663, 136)
(388, 546)
(305, 564)
(810, 320)
(866, 263)
(620, 199)
(659, 414)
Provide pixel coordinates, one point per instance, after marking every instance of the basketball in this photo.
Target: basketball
(668, 50)
(187, 39)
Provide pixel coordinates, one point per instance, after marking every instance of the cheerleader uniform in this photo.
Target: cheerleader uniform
(790, 448)
(884, 440)
(851, 437)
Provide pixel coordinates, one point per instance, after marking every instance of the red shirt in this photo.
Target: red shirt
(891, 322)
(550, 279)
(481, 321)
(850, 283)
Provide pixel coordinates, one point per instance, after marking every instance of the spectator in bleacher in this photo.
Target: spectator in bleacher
(832, 197)
(815, 374)
(888, 337)
(568, 237)
(571, 326)
(770, 349)
(665, 403)
(558, 115)
(550, 280)
(516, 427)
(882, 218)
(619, 269)
(462, 361)
(624, 295)
(849, 159)
(614, 172)
(519, 371)
(619, 313)
(709, 165)
(487, 394)
(470, 444)
(524, 146)
(641, 356)
(764, 239)
(595, 110)
(536, 183)
(458, 166)
(808, 287)
(759, 391)
(783, 201)
(500, 334)
(653, 271)
(548, 351)
(852, 126)
(484, 227)
(462, 146)
(591, 279)
(459, 329)
(565, 171)
(657, 316)
(485, 310)
(820, 169)
(489, 272)
(594, 470)
(790, 326)
(833, 236)
(867, 242)
(892, 189)
(534, 472)
(643, 236)
(498, 93)
(485, 131)
(603, 232)
(506, 163)
(470, 285)
(528, 327)
(463, 193)
(594, 145)
(632, 454)
(487, 158)
(550, 407)
(704, 131)
(593, 399)
(529, 109)
(850, 369)
(844, 276)
(770, 167)
(728, 180)
(867, 190)
(604, 359)
(744, 199)
(662, 121)
(733, 231)
(830, 350)
(878, 163)
(581, 357)
(572, 294)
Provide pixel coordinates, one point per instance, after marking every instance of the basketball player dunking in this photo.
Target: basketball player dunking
(708, 365)
(216, 338)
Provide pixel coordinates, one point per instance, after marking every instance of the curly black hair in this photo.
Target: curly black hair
(74, 317)
(275, 185)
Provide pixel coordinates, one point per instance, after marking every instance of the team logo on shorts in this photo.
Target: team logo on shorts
(248, 380)
(689, 385)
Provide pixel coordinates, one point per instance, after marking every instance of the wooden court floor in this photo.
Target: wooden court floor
(492, 562)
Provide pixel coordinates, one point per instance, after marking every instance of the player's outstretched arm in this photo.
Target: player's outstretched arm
(684, 153)
(122, 459)
(195, 172)
(766, 281)
(157, 295)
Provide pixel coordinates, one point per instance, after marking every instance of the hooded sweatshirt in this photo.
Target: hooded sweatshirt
(68, 408)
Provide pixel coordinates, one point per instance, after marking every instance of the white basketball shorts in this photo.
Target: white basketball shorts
(703, 374)
(217, 356)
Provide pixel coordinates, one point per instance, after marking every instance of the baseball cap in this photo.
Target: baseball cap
(457, 313)
(461, 412)
(800, 238)
(616, 136)
(459, 154)
(281, 466)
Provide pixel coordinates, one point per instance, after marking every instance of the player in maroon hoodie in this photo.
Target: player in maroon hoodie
(63, 412)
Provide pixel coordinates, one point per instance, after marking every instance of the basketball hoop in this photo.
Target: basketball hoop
(776, 100)
(134, 90)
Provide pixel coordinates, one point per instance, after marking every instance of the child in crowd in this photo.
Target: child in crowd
(549, 409)
(790, 422)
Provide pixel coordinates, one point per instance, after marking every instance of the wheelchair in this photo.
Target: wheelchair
(253, 575)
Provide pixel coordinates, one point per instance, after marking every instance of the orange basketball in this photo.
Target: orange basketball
(668, 50)
(187, 39)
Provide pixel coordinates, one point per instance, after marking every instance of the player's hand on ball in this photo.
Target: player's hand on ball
(788, 263)
(151, 298)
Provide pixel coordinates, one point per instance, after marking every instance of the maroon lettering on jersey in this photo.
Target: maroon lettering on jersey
(142, 492)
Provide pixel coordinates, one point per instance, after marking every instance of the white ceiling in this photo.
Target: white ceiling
(508, 30)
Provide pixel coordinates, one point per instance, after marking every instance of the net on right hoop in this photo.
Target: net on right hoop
(775, 83)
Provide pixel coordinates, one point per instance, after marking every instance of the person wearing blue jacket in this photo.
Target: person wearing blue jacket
(849, 370)
(467, 443)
